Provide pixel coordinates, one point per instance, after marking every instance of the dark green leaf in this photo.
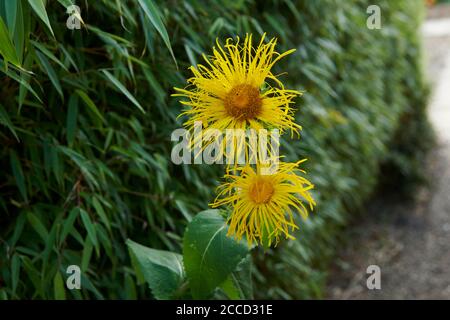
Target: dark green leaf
(163, 270)
(205, 247)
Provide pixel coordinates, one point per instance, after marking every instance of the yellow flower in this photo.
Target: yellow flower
(237, 90)
(263, 205)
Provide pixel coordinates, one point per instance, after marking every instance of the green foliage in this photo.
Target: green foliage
(209, 255)
(205, 245)
(163, 270)
(86, 117)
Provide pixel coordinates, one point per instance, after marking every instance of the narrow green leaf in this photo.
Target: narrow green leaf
(71, 122)
(11, 14)
(205, 245)
(6, 121)
(163, 270)
(15, 272)
(89, 227)
(68, 224)
(51, 73)
(18, 174)
(58, 287)
(49, 54)
(124, 90)
(90, 104)
(101, 213)
(39, 8)
(87, 254)
(37, 225)
(153, 14)
(7, 49)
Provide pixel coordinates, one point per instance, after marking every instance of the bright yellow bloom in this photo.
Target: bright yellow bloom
(263, 205)
(237, 90)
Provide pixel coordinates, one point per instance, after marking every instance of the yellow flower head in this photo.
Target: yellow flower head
(263, 205)
(232, 91)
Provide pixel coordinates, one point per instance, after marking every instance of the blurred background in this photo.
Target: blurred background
(409, 240)
(86, 117)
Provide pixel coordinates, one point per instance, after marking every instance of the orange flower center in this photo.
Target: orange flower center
(261, 191)
(243, 102)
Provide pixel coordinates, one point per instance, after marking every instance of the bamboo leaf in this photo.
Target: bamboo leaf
(124, 90)
(51, 73)
(153, 14)
(58, 287)
(39, 8)
(89, 227)
(18, 174)
(7, 49)
(6, 121)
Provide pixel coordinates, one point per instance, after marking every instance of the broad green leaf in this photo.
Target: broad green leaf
(6, 121)
(7, 49)
(122, 88)
(58, 287)
(18, 174)
(209, 255)
(163, 270)
(153, 14)
(240, 281)
(39, 8)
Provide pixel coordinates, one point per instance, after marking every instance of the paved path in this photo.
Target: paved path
(409, 241)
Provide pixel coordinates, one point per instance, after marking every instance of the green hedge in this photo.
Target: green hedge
(86, 117)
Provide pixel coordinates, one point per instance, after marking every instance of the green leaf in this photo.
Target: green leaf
(124, 90)
(58, 287)
(68, 224)
(7, 49)
(18, 174)
(209, 255)
(163, 270)
(39, 8)
(71, 122)
(6, 121)
(37, 225)
(49, 54)
(15, 272)
(153, 14)
(11, 14)
(51, 73)
(90, 104)
(241, 280)
(87, 254)
(89, 227)
(99, 209)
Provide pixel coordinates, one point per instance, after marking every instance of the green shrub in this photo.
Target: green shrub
(86, 117)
